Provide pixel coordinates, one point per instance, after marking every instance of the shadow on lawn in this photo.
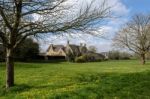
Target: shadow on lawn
(105, 85)
(16, 88)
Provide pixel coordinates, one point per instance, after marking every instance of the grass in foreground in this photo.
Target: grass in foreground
(100, 80)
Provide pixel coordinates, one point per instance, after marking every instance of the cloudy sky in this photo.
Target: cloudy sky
(125, 9)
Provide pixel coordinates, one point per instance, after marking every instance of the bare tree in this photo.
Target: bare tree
(23, 18)
(135, 36)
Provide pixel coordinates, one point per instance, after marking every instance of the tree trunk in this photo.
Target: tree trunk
(9, 68)
(143, 59)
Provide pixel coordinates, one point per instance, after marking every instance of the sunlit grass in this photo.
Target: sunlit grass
(108, 80)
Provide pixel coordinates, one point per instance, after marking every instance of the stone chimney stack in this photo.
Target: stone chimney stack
(52, 45)
(81, 44)
(67, 42)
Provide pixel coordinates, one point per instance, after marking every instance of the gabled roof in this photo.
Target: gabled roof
(74, 49)
(56, 47)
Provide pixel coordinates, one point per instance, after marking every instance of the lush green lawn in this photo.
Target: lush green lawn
(101, 80)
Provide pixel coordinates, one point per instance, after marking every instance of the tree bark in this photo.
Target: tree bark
(143, 61)
(9, 68)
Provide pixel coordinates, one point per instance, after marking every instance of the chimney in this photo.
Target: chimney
(68, 42)
(80, 44)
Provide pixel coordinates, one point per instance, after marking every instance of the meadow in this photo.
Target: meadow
(62, 80)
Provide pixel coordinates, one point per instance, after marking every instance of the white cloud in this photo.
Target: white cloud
(118, 7)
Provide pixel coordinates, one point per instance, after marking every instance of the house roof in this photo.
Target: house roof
(74, 48)
(56, 47)
(96, 54)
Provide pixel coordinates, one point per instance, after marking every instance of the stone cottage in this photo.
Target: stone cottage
(68, 50)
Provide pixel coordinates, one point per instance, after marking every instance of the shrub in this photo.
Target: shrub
(89, 57)
(81, 59)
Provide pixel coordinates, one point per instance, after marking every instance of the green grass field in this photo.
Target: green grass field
(99, 80)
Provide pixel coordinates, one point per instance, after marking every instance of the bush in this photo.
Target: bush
(90, 57)
(81, 59)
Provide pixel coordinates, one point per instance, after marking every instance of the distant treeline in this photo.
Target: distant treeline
(26, 51)
(118, 55)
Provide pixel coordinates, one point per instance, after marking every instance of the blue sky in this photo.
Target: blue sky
(137, 6)
(124, 8)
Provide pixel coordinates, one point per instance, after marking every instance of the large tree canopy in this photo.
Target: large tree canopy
(23, 18)
(31, 17)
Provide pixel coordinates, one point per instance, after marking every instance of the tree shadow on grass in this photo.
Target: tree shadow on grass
(33, 64)
(16, 89)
